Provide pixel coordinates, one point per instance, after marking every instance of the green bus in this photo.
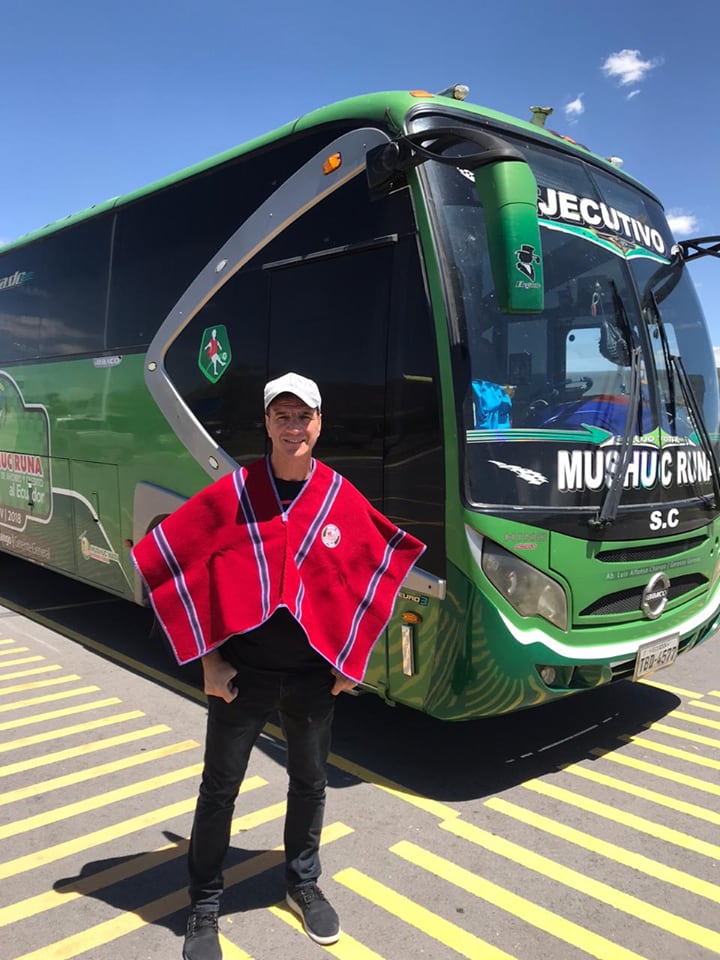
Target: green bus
(514, 366)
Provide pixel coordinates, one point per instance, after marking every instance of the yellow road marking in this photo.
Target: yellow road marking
(22, 766)
(447, 933)
(7, 640)
(83, 886)
(705, 706)
(46, 855)
(109, 653)
(232, 952)
(681, 806)
(48, 698)
(700, 721)
(347, 947)
(110, 930)
(626, 903)
(666, 686)
(20, 660)
(636, 861)
(430, 806)
(92, 773)
(56, 714)
(618, 815)
(684, 734)
(669, 751)
(645, 767)
(14, 650)
(34, 672)
(95, 803)
(714, 693)
(63, 732)
(552, 923)
(37, 684)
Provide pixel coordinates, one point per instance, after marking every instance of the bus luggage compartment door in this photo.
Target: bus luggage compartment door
(96, 518)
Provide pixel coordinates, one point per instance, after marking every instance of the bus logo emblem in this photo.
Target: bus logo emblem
(215, 354)
(655, 596)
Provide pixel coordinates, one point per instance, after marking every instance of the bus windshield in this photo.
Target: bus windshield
(546, 398)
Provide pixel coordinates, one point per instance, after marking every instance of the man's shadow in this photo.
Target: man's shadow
(153, 884)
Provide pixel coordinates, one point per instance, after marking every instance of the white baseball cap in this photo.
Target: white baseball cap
(300, 387)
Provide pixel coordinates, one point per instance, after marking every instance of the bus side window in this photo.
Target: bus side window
(53, 303)
(164, 240)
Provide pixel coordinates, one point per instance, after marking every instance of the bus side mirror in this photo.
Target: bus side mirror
(508, 192)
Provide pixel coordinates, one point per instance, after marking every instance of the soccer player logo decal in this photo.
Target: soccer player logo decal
(215, 354)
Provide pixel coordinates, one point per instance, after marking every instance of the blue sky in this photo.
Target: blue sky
(104, 97)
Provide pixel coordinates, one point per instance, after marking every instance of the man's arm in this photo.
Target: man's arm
(219, 676)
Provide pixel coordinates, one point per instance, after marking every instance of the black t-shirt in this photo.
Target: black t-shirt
(279, 643)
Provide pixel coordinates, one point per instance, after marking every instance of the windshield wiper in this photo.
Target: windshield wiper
(607, 513)
(667, 356)
(674, 364)
(698, 422)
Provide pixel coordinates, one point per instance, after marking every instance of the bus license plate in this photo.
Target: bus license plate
(655, 655)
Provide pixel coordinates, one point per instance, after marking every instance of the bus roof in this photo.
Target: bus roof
(370, 107)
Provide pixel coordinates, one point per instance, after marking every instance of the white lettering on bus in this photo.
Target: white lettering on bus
(14, 279)
(558, 204)
(593, 469)
(590, 212)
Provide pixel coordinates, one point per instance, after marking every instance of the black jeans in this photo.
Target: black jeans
(305, 705)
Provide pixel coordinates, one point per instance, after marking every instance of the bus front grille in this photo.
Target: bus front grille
(630, 600)
(650, 551)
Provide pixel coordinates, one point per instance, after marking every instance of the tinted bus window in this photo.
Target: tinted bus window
(53, 294)
(164, 240)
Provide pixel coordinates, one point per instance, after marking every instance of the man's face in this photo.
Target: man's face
(292, 426)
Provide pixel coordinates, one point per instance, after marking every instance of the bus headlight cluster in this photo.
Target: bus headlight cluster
(529, 591)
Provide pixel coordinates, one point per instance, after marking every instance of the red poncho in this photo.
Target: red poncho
(228, 558)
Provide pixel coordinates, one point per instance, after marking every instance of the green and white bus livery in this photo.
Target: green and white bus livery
(514, 366)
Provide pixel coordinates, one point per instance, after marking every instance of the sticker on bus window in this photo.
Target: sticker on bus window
(215, 353)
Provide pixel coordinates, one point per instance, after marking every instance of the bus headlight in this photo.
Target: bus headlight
(529, 591)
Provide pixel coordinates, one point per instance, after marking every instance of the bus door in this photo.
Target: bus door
(328, 320)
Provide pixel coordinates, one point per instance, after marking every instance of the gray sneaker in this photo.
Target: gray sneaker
(319, 919)
(201, 938)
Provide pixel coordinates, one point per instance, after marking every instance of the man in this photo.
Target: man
(281, 576)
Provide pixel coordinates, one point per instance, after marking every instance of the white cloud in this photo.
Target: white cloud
(574, 109)
(682, 223)
(633, 93)
(628, 66)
